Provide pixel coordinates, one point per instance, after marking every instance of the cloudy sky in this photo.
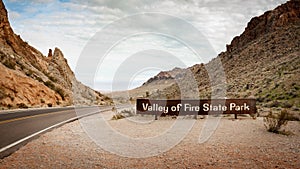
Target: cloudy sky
(167, 29)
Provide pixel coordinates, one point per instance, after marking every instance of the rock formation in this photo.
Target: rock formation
(29, 79)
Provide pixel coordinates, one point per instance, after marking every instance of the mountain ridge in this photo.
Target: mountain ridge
(263, 63)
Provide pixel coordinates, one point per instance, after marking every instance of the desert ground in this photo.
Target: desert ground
(241, 143)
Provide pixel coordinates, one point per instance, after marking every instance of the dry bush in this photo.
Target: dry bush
(273, 123)
(117, 116)
(10, 64)
(128, 113)
(22, 105)
(123, 114)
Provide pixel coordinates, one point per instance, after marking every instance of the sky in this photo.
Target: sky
(147, 36)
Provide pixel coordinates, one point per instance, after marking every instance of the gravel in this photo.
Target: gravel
(242, 143)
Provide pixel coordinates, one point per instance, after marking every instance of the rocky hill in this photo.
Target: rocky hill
(29, 79)
(263, 62)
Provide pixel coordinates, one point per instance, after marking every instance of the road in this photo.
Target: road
(18, 127)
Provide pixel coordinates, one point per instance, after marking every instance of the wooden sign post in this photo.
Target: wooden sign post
(196, 107)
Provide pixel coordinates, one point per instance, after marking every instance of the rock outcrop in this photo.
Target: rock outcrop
(263, 62)
(29, 79)
(270, 21)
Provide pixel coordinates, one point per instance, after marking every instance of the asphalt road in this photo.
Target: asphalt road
(25, 124)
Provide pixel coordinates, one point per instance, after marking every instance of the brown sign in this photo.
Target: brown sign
(196, 107)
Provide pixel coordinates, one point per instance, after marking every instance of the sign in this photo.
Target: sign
(195, 107)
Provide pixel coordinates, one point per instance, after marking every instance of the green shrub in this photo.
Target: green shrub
(273, 123)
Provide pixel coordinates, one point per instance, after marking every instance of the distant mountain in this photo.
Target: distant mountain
(29, 79)
(263, 62)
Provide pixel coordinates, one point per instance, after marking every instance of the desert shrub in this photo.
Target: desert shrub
(46, 73)
(56, 89)
(2, 94)
(291, 117)
(287, 105)
(293, 93)
(273, 123)
(10, 64)
(39, 79)
(123, 114)
(12, 98)
(22, 105)
(128, 113)
(283, 104)
(117, 116)
(106, 98)
(60, 92)
(29, 73)
(9, 106)
(53, 79)
(147, 94)
(42, 101)
(37, 66)
(21, 66)
(274, 104)
(260, 99)
(49, 104)
(9, 42)
(50, 85)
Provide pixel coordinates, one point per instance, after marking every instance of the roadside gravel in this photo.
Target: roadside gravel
(242, 143)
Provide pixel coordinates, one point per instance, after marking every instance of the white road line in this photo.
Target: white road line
(48, 128)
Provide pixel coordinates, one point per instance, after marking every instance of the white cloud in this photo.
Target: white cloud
(69, 25)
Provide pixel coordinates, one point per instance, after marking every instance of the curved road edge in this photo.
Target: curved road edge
(11, 148)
